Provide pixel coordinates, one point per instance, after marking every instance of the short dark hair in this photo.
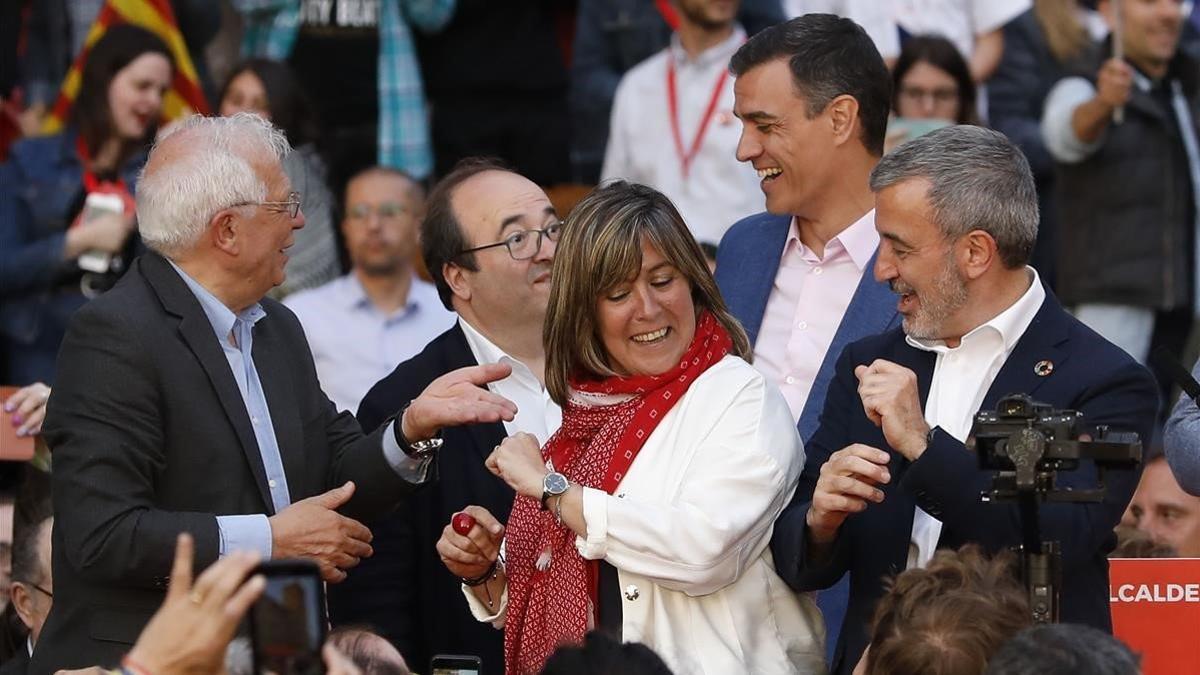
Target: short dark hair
(31, 511)
(829, 56)
(287, 103)
(1064, 649)
(118, 47)
(602, 655)
(940, 53)
(442, 238)
(949, 617)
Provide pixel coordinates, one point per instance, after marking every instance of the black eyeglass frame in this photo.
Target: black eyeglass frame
(544, 232)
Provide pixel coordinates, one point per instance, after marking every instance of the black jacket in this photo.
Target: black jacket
(1090, 375)
(404, 590)
(151, 438)
(1126, 231)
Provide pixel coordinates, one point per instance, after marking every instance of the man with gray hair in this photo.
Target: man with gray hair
(188, 402)
(888, 478)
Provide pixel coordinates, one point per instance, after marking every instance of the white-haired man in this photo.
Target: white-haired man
(187, 402)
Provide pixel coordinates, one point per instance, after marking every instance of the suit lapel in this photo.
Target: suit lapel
(197, 333)
(1043, 341)
(755, 275)
(275, 373)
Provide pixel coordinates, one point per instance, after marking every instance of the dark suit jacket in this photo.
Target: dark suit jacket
(747, 262)
(18, 664)
(151, 438)
(404, 590)
(1090, 375)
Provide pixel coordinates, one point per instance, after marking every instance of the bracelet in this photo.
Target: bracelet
(558, 508)
(482, 578)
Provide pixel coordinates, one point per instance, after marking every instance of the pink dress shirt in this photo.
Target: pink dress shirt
(806, 305)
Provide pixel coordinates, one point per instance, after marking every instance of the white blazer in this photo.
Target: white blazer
(688, 531)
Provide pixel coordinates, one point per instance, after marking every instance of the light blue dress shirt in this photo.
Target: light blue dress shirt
(355, 344)
(253, 531)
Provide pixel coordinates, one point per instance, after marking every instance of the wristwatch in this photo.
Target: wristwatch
(553, 485)
(415, 449)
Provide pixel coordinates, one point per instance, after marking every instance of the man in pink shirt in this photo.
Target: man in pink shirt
(813, 95)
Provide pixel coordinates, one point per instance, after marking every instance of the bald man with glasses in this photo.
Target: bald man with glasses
(488, 239)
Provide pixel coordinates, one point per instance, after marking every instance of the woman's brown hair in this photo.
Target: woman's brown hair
(601, 246)
(1065, 33)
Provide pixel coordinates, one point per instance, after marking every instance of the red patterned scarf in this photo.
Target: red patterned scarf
(552, 590)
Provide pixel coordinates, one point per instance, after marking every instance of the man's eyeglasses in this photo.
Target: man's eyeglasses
(387, 211)
(290, 207)
(48, 593)
(524, 244)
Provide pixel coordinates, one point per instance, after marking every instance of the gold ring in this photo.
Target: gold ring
(196, 598)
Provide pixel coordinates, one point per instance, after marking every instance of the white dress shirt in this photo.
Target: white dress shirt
(536, 413)
(688, 531)
(718, 190)
(961, 378)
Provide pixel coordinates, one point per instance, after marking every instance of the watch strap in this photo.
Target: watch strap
(414, 449)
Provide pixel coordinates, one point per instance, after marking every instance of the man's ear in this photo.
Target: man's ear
(21, 598)
(458, 280)
(979, 252)
(223, 228)
(843, 117)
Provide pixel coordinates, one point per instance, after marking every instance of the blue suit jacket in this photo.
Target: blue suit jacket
(747, 262)
(1090, 375)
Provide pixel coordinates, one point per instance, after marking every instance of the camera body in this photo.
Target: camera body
(1027, 443)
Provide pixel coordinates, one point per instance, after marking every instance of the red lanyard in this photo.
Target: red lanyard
(668, 13)
(90, 182)
(686, 156)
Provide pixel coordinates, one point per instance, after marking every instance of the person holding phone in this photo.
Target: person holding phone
(66, 200)
(649, 512)
(931, 88)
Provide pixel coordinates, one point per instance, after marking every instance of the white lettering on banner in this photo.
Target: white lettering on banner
(316, 12)
(1155, 593)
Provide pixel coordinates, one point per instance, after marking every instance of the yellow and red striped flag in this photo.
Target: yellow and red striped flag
(185, 96)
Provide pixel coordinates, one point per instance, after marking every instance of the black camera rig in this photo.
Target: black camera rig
(1027, 443)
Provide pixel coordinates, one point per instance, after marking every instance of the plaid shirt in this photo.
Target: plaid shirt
(270, 31)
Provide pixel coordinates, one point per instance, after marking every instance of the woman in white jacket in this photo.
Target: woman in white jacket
(648, 514)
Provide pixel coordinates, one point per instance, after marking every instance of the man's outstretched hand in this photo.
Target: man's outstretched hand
(456, 398)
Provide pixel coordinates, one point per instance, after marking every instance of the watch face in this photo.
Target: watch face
(556, 484)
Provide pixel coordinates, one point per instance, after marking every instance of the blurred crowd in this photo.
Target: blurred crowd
(384, 108)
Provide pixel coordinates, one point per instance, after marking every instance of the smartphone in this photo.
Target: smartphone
(96, 205)
(455, 664)
(287, 624)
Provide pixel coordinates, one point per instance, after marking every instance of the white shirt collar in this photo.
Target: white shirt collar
(486, 351)
(1010, 324)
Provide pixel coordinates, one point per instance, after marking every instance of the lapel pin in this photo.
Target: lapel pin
(1043, 368)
